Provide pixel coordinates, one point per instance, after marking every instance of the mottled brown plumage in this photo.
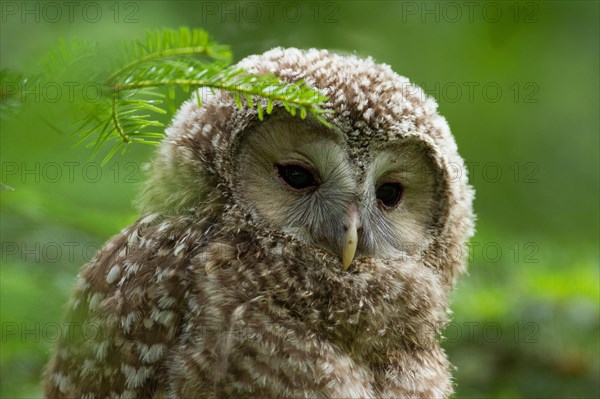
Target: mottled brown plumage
(230, 284)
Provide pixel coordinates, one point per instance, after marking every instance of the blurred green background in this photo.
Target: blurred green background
(519, 85)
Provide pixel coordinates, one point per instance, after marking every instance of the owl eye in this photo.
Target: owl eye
(389, 194)
(296, 176)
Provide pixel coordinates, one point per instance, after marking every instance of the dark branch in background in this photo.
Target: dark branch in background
(135, 84)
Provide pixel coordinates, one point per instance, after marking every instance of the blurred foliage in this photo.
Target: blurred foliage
(520, 91)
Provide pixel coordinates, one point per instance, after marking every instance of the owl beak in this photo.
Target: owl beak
(350, 239)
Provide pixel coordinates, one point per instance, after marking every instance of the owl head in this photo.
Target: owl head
(384, 180)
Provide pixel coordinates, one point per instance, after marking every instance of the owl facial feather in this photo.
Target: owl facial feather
(342, 214)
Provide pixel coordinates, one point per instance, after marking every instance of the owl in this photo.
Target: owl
(281, 258)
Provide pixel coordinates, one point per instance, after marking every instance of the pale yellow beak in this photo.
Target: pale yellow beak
(350, 240)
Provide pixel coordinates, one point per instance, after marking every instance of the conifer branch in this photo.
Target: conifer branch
(134, 85)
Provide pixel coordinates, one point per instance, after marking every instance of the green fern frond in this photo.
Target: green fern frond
(137, 86)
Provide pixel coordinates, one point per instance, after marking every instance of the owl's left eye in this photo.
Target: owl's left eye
(296, 176)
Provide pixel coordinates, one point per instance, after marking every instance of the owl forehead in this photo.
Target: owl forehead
(362, 93)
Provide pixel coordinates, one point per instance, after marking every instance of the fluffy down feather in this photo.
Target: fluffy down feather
(200, 298)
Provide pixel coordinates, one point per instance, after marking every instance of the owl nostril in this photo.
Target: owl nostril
(359, 230)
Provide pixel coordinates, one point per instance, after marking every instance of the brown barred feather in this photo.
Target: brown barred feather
(203, 298)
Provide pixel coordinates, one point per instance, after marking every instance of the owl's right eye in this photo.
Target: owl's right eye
(389, 194)
(296, 176)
